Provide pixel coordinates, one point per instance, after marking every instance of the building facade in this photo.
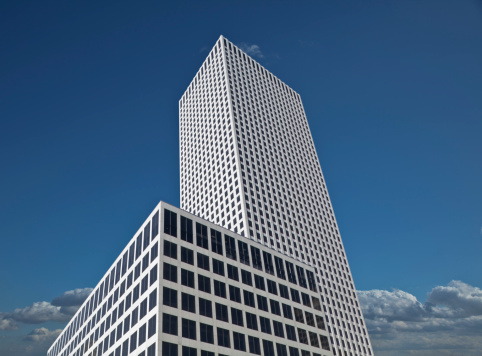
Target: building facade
(184, 286)
(249, 164)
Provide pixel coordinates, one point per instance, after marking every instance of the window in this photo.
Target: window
(230, 246)
(154, 251)
(203, 261)
(237, 317)
(246, 277)
(290, 332)
(204, 283)
(147, 235)
(295, 295)
(239, 341)
(259, 282)
(216, 242)
(316, 303)
(272, 287)
(187, 255)
(320, 322)
(155, 224)
(311, 281)
(254, 346)
(309, 319)
(189, 329)
(268, 262)
(243, 252)
(143, 308)
(205, 307)
(256, 255)
(207, 334)
(306, 299)
(186, 229)
(220, 289)
(299, 315)
(170, 223)
(133, 342)
(265, 325)
(249, 299)
(188, 302)
(170, 249)
(287, 311)
(278, 329)
(262, 303)
(223, 337)
(301, 276)
(251, 321)
(294, 351)
(145, 262)
(169, 297)
(221, 312)
(275, 309)
(188, 351)
(169, 349)
(314, 339)
(233, 272)
(281, 350)
(324, 343)
(218, 267)
(153, 299)
(169, 324)
(302, 336)
(202, 236)
(187, 278)
(283, 291)
(170, 272)
(291, 272)
(268, 348)
(134, 316)
(153, 274)
(152, 326)
(208, 353)
(235, 294)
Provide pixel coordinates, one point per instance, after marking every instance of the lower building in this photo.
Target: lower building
(193, 288)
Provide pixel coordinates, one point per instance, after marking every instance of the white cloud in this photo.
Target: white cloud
(252, 49)
(43, 335)
(72, 297)
(449, 323)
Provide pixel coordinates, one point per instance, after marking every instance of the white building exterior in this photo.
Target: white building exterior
(248, 163)
(184, 286)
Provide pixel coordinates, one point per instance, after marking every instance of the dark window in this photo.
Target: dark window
(283, 291)
(294, 351)
(188, 351)
(311, 281)
(314, 339)
(272, 287)
(268, 262)
(134, 317)
(169, 349)
(203, 261)
(243, 252)
(218, 267)
(230, 245)
(246, 277)
(187, 255)
(155, 224)
(202, 236)
(275, 309)
(153, 274)
(208, 353)
(239, 341)
(310, 320)
(301, 276)
(259, 282)
(320, 322)
(287, 311)
(131, 254)
(295, 295)
(154, 251)
(170, 272)
(142, 334)
(133, 341)
(153, 299)
(223, 337)
(220, 289)
(262, 303)
(233, 272)
(144, 284)
(302, 336)
(291, 272)
(169, 297)
(316, 303)
(188, 302)
(278, 329)
(265, 325)
(147, 235)
(237, 317)
(169, 324)
(170, 249)
(143, 308)
(306, 299)
(189, 329)
(249, 299)
(205, 307)
(235, 294)
(170, 223)
(151, 351)
(138, 248)
(254, 346)
(251, 321)
(145, 262)
(186, 229)
(124, 263)
(207, 334)
(204, 283)
(216, 242)
(299, 315)
(187, 278)
(325, 345)
(256, 255)
(268, 348)
(221, 312)
(152, 326)
(290, 332)
(281, 350)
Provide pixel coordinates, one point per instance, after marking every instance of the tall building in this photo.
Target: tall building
(248, 163)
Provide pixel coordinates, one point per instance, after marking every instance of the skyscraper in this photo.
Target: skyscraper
(248, 163)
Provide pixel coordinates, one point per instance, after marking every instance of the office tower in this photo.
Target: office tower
(184, 286)
(248, 163)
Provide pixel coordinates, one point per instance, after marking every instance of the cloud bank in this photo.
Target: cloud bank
(252, 49)
(448, 323)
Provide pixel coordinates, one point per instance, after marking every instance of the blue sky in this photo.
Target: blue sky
(89, 145)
